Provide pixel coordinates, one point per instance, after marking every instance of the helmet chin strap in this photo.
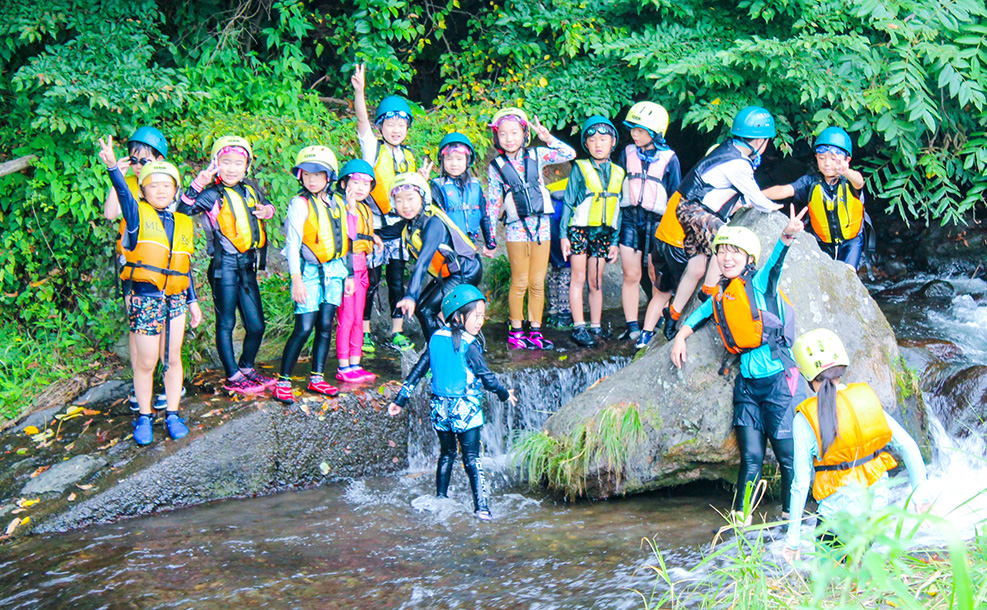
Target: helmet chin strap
(755, 156)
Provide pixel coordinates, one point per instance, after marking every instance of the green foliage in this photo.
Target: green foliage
(600, 444)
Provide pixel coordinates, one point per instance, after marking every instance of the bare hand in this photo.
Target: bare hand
(790, 555)
(922, 507)
(566, 247)
(195, 313)
(106, 154)
(207, 175)
(393, 409)
(679, 352)
(612, 254)
(349, 286)
(489, 252)
(543, 134)
(359, 79)
(407, 306)
(843, 166)
(425, 171)
(378, 243)
(264, 212)
(123, 164)
(298, 292)
(511, 398)
(795, 224)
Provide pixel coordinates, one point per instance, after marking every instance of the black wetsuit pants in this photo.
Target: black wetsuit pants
(752, 443)
(430, 301)
(469, 443)
(321, 321)
(373, 283)
(234, 287)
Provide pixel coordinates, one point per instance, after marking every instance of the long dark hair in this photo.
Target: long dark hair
(826, 406)
(457, 324)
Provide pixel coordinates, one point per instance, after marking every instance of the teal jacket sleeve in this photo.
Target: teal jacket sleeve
(574, 190)
(702, 312)
(805, 448)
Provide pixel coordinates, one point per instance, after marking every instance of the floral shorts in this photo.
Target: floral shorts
(594, 241)
(147, 314)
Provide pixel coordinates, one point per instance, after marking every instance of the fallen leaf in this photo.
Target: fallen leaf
(391, 444)
(72, 497)
(43, 436)
(24, 503)
(91, 412)
(213, 413)
(396, 460)
(31, 430)
(21, 450)
(324, 467)
(12, 526)
(39, 471)
(84, 487)
(304, 409)
(109, 444)
(18, 510)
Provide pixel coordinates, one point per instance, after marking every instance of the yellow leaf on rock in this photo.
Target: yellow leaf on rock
(27, 503)
(31, 430)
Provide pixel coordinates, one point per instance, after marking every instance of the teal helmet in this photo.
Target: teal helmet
(458, 138)
(149, 136)
(834, 136)
(601, 124)
(356, 166)
(753, 122)
(463, 294)
(393, 106)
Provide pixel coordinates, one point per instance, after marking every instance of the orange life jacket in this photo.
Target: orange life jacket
(838, 218)
(385, 169)
(743, 326)
(670, 229)
(445, 261)
(237, 222)
(364, 241)
(857, 454)
(156, 260)
(324, 232)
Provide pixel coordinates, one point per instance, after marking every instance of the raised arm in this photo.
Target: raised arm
(359, 81)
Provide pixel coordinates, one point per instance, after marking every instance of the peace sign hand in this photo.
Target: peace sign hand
(541, 131)
(795, 224)
(106, 154)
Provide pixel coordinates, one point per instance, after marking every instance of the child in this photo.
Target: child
(159, 268)
(842, 435)
(589, 224)
(835, 198)
(459, 194)
(389, 157)
(235, 208)
(145, 146)
(765, 392)
(458, 368)
(317, 247)
(438, 247)
(718, 186)
(356, 180)
(653, 172)
(517, 187)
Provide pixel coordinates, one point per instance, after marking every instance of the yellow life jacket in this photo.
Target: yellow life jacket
(670, 229)
(857, 454)
(445, 261)
(385, 168)
(363, 242)
(599, 207)
(324, 235)
(835, 219)
(135, 190)
(237, 222)
(156, 260)
(743, 326)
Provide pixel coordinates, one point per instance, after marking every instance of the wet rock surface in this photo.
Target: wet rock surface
(59, 477)
(687, 414)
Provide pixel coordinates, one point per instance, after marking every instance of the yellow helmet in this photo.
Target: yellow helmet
(506, 112)
(648, 115)
(159, 167)
(316, 159)
(225, 141)
(740, 237)
(818, 350)
(411, 179)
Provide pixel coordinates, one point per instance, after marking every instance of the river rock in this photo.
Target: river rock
(937, 289)
(38, 419)
(104, 393)
(59, 477)
(687, 414)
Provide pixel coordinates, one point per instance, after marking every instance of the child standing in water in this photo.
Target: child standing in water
(159, 269)
(589, 224)
(766, 391)
(517, 187)
(235, 208)
(389, 157)
(317, 247)
(356, 180)
(455, 354)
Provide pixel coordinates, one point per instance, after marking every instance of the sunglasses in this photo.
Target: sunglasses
(140, 161)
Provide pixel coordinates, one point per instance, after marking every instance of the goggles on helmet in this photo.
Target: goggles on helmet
(401, 188)
(510, 117)
(456, 148)
(830, 149)
(390, 114)
(601, 128)
(360, 177)
(236, 150)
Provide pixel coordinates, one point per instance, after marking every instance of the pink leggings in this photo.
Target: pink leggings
(349, 335)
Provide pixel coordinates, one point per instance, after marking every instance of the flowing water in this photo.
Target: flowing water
(388, 543)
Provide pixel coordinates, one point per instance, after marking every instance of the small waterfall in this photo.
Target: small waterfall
(540, 392)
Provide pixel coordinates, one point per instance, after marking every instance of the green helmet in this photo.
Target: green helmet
(753, 122)
(648, 115)
(834, 136)
(458, 138)
(159, 167)
(602, 124)
(150, 136)
(356, 166)
(818, 350)
(502, 114)
(739, 237)
(316, 159)
(393, 106)
(461, 295)
(225, 141)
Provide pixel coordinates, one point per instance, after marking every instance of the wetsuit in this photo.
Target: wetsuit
(457, 378)
(767, 389)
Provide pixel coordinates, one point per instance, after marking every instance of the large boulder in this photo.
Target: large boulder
(687, 414)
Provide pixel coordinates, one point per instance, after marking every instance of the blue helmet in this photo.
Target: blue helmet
(601, 123)
(393, 106)
(463, 294)
(356, 166)
(458, 138)
(834, 136)
(753, 122)
(149, 136)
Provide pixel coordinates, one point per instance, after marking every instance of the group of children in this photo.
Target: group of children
(348, 228)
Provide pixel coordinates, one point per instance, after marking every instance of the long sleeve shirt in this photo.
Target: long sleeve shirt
(576, 192)
(294, 225)
(131, 214)
(557, 152)
(474, 360)
(732, 177)
(433, 235)
(850, 498)
(759, 362)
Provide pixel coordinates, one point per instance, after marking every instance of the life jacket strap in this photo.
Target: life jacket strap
(850, 465)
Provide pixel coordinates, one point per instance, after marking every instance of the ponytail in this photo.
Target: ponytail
(826, 406)
(457, 323)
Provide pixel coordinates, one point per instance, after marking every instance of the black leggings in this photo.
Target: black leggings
(469, 442)
(304, 322)
(373, 277)
(752, 443)
(235, 289)
(430, 301)
(395, 285)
